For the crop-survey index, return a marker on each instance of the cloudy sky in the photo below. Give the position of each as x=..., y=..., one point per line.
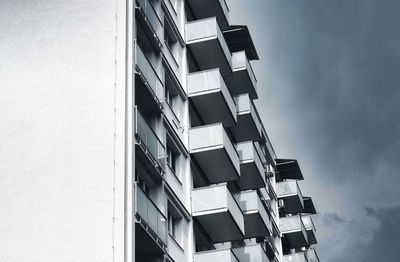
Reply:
x=329, y=75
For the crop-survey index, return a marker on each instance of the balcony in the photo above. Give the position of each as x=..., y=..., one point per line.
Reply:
x=295, y=234
x=209, y=145
x=310, y=228
x=290, y=192
x=149, y=148
x=249, y=125
x=251, y=253
x=153, y=25
x=210, y=8
x=207, y=44
x=211, y=98
x=296, y=257
x=217, y=255
x=288, y=169
x=149, y=87
x=153, y=229
x=256, y=220
x=218, y=213
x=243, y=79
x=251, y=169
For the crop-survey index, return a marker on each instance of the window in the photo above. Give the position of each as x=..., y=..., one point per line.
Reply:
x=171, y=158
x=175, y=224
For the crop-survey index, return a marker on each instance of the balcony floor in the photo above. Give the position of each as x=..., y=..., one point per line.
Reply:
x=213, y=108
x=250, y=177
x=255, y=226
x=223, y=172
x=209, y=55
x=220, y=226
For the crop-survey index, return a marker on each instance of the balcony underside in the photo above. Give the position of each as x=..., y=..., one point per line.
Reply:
x=149, y=163
x=250, y=177
x=146, y=244
x=213, y=108
x=146, y=100
x=255, y=226
x=294, y=239
x=222, y=172
x=209, y=54
x=246, y=129
x=209, y=8
x=240, y=83
x=312, y=240
x=293, y=204
x=220, y=226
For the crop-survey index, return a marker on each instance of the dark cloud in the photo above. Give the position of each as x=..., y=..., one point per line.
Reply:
x=329, y=82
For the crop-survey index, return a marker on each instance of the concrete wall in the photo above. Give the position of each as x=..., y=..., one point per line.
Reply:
x=57, y=144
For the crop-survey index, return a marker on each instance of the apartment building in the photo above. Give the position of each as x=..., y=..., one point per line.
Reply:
x=146, y=144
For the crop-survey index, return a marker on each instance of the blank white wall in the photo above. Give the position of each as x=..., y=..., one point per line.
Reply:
x=56, y=130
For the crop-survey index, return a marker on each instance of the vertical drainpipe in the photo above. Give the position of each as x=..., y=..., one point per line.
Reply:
x=129, y=158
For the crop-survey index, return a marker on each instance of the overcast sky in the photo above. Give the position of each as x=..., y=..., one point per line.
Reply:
x=329, y=75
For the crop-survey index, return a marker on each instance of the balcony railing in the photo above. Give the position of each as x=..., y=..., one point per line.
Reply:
x=146, y=69
x=296, y=257
x=148, y=212
x=149, y=139
x=251, y=253
x=218, y=255
x=151, y=16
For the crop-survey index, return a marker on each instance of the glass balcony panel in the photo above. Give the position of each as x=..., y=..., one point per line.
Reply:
x=206, y=137
x=251, y=253
x=297, y=257
x=147, y=211
x=219, y=255
x=291, y=223
x=201, y=29
x=149, y=73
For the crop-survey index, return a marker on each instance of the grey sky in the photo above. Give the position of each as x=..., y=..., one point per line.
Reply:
x=329, y=82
